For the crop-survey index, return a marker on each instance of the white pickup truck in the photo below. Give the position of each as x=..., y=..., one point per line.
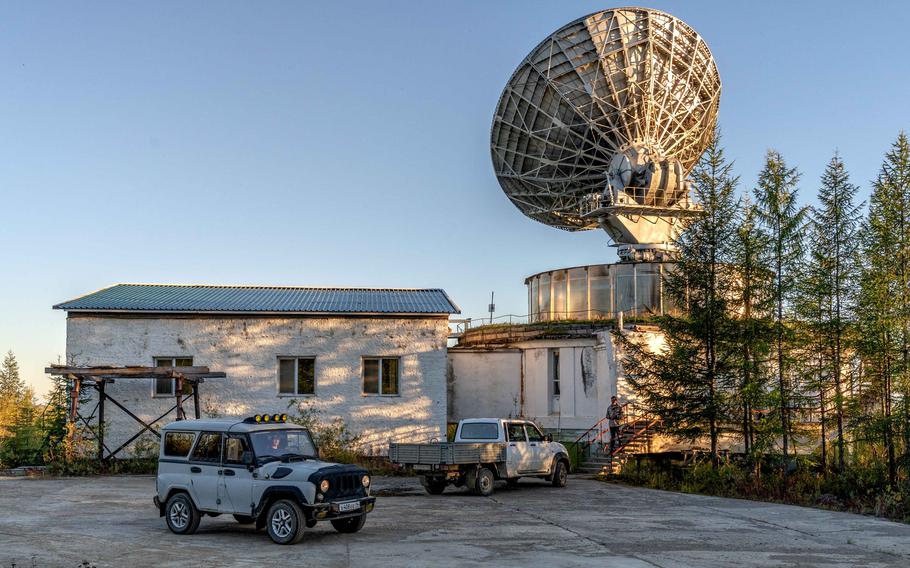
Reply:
x=484, y=450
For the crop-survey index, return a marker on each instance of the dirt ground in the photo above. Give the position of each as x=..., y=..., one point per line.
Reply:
x=111, y=522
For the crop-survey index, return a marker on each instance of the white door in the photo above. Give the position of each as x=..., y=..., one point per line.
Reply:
x=205, y=471
x=236, y=478
x=518, y=456
x=539, y=449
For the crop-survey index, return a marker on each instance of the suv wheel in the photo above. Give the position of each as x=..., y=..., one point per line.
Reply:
x=350, y=525
x=560, y=474
x=181, y=514
x=285, y=522
x=483, y=485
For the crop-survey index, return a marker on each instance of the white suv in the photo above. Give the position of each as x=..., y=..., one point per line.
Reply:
x=261, y=470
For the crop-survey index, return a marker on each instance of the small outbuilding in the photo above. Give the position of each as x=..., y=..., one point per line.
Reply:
x=375, y=358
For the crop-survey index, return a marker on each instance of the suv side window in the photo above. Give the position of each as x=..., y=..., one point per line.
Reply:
x=208, y=448
x=235, y=446
x=178, y=444
x=534, y=434
x=516, y=432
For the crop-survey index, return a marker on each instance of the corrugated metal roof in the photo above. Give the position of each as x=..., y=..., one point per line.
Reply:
x=204, y=298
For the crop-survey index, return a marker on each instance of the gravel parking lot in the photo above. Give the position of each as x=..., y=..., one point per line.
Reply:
x=110, y=521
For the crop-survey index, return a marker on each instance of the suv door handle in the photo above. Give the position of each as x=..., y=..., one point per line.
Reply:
x=534, y=444
x=229, y=472
x=195, y=469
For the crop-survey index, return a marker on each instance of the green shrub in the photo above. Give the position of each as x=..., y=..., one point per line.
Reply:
x=860, y=489
x=336, y=442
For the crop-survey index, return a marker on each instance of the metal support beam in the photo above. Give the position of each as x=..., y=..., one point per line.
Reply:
x=196, y=400
x=101, y=397
x=178, y=390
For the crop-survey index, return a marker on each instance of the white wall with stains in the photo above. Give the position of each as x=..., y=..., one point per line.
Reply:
x=247, y=349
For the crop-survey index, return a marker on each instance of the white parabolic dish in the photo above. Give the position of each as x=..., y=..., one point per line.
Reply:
x=602, y=122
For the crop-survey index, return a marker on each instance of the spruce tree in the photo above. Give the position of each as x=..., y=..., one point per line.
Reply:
x=782, y=221
x=750, y=302
x=836, y=224
x=885, y=293
x=11, y=384
x=687, y=384
x=12, y=389
x=813, y=306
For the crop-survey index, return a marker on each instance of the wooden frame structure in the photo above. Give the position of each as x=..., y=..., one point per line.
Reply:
x=99, y=377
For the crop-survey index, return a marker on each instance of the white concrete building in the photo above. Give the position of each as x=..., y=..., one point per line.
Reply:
x=561, y=376
x=375, y=358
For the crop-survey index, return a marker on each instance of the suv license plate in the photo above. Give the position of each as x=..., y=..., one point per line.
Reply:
x=350, y=506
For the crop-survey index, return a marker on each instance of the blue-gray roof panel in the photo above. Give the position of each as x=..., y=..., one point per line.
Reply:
x=180, y=298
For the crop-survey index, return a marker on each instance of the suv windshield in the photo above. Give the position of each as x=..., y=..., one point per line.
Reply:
x=282, y=445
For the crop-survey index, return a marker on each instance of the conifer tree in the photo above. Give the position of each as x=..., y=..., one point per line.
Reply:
x=885, y=293
x=12, y=390
x=835, y=247
x=782, y=221
x=11, y=384
x=750, y=302
x=688, y=384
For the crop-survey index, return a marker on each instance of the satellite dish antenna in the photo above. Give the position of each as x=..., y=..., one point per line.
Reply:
x=601, y=124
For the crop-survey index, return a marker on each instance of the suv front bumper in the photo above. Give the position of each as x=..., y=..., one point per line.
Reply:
x=333, y=509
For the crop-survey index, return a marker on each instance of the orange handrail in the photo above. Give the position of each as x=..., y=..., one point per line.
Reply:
x=599, y=422
x=585, y=433
x=635, y=435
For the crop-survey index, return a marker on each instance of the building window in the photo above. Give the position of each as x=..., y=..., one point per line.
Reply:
x=165, y=387
x=380, y=376
x=296, y=376
x=555, y=373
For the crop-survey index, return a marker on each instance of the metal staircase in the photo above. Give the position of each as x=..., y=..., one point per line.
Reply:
x=634, y=437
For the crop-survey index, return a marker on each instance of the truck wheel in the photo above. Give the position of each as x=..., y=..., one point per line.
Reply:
x=350, y=525
x=483, y=485
x=181, y=514
x=244, y=519
x=285, y=522
x=560, y=474
x=435, y=486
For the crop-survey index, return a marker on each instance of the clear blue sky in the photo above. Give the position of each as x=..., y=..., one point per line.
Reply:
x=335, y=143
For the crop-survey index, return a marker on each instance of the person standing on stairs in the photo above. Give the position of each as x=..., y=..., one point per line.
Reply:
x=614, y=415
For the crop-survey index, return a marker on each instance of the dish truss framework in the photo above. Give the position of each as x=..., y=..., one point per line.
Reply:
x=601, y=124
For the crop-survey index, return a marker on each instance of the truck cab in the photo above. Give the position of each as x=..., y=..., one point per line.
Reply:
x=263, y=471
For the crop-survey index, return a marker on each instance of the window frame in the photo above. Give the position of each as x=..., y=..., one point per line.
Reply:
x=296, y=359
x=202, y=434
x=532, y=427
x=240, y=436
x=173, y=359
x=186, y=456
x=379, y=382
x=478, y=438
x=520, y=425
x=555, y=385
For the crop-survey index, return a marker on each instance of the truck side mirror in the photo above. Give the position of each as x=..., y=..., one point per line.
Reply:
x=548, y=438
